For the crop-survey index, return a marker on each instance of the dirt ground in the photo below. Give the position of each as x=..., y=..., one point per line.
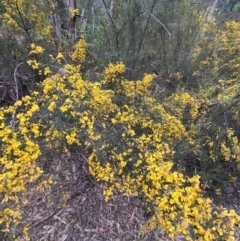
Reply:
x=74, y=209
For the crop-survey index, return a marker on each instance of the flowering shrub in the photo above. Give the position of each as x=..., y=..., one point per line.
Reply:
x=130, y=138
x=19, y=150
x=212, y=142
x=134, y=153
x=136, y=143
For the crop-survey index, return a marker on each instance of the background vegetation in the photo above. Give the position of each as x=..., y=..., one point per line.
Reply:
x=148, y=90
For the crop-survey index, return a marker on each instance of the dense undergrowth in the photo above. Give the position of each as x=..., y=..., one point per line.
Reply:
x=130, y=138
x=172, y=139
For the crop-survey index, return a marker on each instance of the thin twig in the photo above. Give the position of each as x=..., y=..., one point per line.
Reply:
x=160, y=23
x=93, y=20
x=15, y=79
x=225, y=120
x=23, y=23
x=13, y=121
x=226, y=109
x=114, y=27
x=57, y=211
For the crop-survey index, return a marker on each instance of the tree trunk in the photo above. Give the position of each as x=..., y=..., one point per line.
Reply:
x=63, y=21
x=211, y=10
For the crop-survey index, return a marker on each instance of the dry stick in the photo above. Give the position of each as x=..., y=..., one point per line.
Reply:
x=211, y=10
x=168, y=34
x=111, y=8
x=142, y=12
x=226, y=109
x=15, y=79
x=23, y=23
x=160, y=23
x=228, y=167
x=93, y=20
x=143, y=35
x=164, y=49
x=75, y=20
x=25, y=28
x=145, y=30
x=225, y=120
x=58, y=210
x=13, y=121
x=114, y=27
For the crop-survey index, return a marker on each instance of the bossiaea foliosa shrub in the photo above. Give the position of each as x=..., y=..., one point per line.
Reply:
x=130, y=139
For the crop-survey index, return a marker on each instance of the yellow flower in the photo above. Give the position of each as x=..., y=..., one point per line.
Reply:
x=52, y=106
x=36, y=49
x=80, y=51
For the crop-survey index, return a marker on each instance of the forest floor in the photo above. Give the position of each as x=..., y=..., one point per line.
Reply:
x=74, y=209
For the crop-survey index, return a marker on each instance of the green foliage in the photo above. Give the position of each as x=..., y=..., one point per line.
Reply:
x=173, y=146
x=2, y=8
x=215, y=131
x=131, y=140
x=26, y=24
x=146, y=36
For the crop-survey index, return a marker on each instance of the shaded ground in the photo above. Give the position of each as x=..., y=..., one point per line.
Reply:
x=75, y=209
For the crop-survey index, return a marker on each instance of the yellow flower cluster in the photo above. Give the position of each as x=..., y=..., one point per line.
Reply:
x=184, y=211
x=34, y=64
x=80, y=51
x=134, y=155
x=36, y=49
x=112, y=72
x=35, y=15
x=131, y=137
x=230, y=149
x=186, y=106
x=18, y=152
